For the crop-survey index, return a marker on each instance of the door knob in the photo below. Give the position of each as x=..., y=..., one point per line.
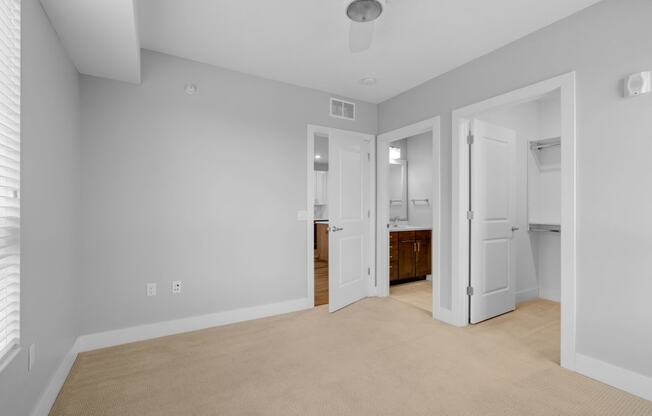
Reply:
x=335, y=229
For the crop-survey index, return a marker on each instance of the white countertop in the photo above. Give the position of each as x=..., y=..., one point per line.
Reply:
x=404, y=227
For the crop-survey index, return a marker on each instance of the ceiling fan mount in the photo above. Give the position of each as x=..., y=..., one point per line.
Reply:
x=363, y=14
x=363, y=11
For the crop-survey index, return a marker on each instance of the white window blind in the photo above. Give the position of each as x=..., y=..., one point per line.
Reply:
x=9, y=176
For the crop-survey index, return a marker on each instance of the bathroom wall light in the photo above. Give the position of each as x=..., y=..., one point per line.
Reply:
x=317, y=156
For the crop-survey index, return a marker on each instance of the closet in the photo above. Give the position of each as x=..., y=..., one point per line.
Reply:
x=536, y=237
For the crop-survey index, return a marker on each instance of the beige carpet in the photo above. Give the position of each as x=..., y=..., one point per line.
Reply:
x=376, y=357
x=417, y=294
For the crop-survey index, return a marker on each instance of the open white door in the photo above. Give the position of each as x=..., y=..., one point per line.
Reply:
x=493, y=206
x=348, y=240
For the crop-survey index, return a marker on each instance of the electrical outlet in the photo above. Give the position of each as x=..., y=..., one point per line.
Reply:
x=176, y=286
x=151, y=289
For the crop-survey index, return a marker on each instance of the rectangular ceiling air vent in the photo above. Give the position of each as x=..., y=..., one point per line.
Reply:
x=342, y=109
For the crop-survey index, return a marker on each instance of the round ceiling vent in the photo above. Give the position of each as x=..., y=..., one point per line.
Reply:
x=362, y=11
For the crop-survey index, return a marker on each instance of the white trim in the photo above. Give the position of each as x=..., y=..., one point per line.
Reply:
x=310, y=200
x=432, y=125
x=549, y=294
x=615, y=376
x=55, y=384
x=460, y=254
x=155, y=330
x=527, y=294
x=193, y=323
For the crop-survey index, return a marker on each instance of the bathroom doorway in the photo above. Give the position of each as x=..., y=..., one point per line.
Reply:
x=408, y=203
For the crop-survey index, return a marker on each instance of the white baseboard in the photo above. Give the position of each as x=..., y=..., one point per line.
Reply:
x=620, y=378
x=155, y=330
x=160, y=329
x=550, y=294
x=51, y=392
x=527, y=294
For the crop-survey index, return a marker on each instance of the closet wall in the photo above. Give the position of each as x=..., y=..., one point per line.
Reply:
x=545, y=200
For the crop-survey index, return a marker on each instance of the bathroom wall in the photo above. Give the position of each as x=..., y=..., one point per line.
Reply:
x=395, y=192
x=420, y=178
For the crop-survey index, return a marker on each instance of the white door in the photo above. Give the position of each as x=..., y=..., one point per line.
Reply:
x=348, y=237
x=493, y=204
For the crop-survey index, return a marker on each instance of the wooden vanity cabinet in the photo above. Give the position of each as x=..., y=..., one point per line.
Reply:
x=409, y=255
x=393, y=257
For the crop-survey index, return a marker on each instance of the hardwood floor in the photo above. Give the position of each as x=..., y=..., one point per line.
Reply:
x=321, y=282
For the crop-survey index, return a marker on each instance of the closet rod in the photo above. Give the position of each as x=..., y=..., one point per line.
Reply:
x=544, y=146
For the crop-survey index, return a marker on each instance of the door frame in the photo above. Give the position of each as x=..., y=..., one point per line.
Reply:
x=460, y=191
x=310, y=211
x=382, y=180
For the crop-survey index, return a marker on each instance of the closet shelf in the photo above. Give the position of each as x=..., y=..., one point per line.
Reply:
x=551, y=228
x=546, y=160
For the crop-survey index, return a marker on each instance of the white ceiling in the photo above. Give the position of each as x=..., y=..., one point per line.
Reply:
x=101, y=36
x=303, y=42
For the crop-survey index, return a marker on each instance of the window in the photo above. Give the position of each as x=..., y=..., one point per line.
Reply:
x=9, y=178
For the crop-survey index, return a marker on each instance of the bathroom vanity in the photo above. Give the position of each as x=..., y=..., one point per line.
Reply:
x=410, y=254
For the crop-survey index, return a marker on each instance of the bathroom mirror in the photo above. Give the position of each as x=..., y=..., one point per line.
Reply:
x=398, y=203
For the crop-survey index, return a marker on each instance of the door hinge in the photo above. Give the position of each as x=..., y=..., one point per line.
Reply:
x=368, y=213
x=469, y=138
x=368, y=156
x=469, y=290
x=369, y=271
x=469, y=215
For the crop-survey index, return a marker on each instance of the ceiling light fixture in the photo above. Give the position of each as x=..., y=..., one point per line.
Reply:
x=363, y=11
x=368, y=81
x=191, y=89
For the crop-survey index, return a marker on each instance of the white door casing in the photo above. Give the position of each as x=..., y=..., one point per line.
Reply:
x=348, y=196
x=493, y=206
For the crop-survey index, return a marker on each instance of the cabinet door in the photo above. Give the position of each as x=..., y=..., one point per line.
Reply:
x=393, y=256
x=322, y=241
x=422, y=262
x=406, y=259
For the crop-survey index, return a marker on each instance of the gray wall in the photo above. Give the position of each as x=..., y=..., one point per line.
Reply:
x=50, y=169
x=202, y=188
x=603, y=44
